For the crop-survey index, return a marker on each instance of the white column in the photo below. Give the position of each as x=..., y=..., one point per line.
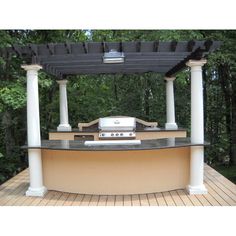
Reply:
x=196, y=185
x=36, y=187
x=170, y=104
x=64, y=124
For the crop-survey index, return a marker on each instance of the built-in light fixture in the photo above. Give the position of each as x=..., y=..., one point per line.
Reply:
x=113, y=57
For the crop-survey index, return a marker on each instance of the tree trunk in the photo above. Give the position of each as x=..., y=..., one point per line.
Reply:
x=233, y=127
x=205, y=98
x=115, y=89
x=8, y=133
x=224, y=78
x=146, y=98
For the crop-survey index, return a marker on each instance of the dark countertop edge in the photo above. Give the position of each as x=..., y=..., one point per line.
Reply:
x=137, y=131
x=128, y=148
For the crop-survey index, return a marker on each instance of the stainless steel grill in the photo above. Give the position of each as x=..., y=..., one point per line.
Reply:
x=117, y=127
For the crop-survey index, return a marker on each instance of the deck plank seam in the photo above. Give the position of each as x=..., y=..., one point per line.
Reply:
x=221, y=183
x=164, y=199
x=222, y=189
x=220, y=178
x=180, y=198
x=216, y=194
x=214, y=187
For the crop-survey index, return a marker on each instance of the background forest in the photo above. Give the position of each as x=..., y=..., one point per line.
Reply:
x=142, y=96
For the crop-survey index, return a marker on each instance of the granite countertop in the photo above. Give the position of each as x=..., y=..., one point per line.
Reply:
x=71, y=145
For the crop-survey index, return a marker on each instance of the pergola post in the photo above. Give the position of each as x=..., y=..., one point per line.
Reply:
x=36, y=187
x=170, y=104
x=64, y=124
x=196, y=185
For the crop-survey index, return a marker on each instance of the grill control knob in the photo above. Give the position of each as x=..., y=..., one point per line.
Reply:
x=117, y=134
x=103, y=134
x=130, y=134
x=112, y=134
x=121, y=134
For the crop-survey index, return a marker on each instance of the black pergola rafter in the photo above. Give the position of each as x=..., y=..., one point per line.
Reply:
x=62, y=59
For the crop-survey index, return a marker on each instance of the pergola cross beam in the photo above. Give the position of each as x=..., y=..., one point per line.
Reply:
x=148, y=56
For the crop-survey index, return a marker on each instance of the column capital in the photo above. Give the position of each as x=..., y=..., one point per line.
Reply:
x=170, y=78
x=192, y=63
x=34, y=67
x=62, y=82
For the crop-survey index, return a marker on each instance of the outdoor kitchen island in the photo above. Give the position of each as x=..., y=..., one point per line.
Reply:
x=152, y=166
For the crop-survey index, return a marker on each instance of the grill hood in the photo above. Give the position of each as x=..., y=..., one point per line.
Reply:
x=117, y=123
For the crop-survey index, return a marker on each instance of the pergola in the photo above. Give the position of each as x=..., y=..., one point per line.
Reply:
x=64, y=59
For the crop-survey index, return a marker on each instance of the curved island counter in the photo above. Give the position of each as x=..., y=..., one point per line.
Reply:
x=153, y=166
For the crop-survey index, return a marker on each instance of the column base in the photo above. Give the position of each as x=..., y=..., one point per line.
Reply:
x=171, y=126
x=36, y=192
x=64, y=127
x=200, y=189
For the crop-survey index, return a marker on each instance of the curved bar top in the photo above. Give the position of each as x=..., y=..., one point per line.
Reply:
x=72, y=145
x=155, y=165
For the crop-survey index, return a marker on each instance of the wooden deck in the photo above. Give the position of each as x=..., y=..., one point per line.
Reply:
x=221, y=192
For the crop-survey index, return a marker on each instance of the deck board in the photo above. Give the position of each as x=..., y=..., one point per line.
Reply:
x=47, y=198
x=135, y=200
x=127, y=200
x=221, y=192
x=160, y=199
x=211, y=199
x=176, y=198
x=152, y=199
x=195, y=200
x=94, y=200
x=86, y=200
x=102, y=200
x=24, y=201
x=184, y=197
x=71, y=198
x=220, y=178
x=10, y=188
x=144, y=200
x=62, y=199
x=111, y=200
x=78, y=201
x=168, y=199
x=10, y=200
x=227, y=191
x=17, y=191
x=54, y=199
x=119, y=200
x=218, y=198
x=203, y=200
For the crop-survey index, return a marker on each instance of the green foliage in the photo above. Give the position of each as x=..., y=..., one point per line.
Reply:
x=44, y=81
x=12, y=97
x=145, y=35
x=10, y=167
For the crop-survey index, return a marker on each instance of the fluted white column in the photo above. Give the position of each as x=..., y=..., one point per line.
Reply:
x=196, y=185
x=64, y=123
x=170, y=104
x=36, y=187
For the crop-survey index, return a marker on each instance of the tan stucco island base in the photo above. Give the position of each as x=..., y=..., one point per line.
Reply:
x=116, y=172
